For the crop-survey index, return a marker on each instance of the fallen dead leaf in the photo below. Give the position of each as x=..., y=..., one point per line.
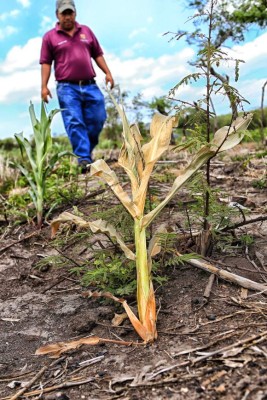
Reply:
x=118, y=319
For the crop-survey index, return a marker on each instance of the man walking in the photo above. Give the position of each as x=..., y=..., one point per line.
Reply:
x=72, y=47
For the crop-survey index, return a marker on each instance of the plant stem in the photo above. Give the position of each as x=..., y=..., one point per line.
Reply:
x=142, y=269
x=208, y=86
x=39, y=205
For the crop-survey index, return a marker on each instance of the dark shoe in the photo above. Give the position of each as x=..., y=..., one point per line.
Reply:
x=85, y=166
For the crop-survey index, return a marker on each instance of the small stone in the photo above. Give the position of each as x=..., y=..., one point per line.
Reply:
x=85, y=328
x=211, y=317
x=102, y=373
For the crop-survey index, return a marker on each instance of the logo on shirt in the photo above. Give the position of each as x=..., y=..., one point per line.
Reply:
x=63, y=41
x=82, y=36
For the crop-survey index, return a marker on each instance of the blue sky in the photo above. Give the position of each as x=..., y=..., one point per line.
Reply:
x=131, y=33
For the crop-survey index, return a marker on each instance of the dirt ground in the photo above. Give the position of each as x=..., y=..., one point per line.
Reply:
x=206, y=349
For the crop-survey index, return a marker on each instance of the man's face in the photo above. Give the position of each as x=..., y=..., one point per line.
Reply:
x=66, y=20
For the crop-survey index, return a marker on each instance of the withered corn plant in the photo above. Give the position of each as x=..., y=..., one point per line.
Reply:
x=41, y=157
x=138, y=161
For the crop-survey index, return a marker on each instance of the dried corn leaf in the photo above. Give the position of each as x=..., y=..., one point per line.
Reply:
x=133, y=164
x=142, y=331
x=57, y=349
x=104, y=227
x=233, y=364
x=100, y=169
x=67, y=217
x=203, y=155
x=95, y=226
x=129, y=158
x=140, y=328
x=118, y=319
x=151, y=315
x=228, y=137
x=160, y=131
x=154, y=246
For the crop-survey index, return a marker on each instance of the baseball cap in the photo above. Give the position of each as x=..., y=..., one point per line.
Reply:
x=62, y=5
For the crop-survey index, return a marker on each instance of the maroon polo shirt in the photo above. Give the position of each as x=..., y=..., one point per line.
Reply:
x=72, y=55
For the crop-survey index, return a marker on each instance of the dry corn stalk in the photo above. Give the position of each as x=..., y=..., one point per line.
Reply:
x=138, y=162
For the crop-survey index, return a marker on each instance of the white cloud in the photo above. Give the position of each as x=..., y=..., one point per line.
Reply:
x=150, y=76
x=251, y=90
x=47, y=23
x=11, y=14
x=136, y=32
x=153, y=76
x=129, y=53
x=20, y=77
x=7, y=31
x=24, y=3
x=20, y=72
x=20, y=86
x=21, y=57
x=254, y=53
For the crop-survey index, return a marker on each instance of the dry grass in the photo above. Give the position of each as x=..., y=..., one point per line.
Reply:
x=5, y=171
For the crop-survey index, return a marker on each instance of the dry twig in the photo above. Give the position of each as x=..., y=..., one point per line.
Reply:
x=33, y=380
x=64, y=385
x=30, y=235
x=228, y=276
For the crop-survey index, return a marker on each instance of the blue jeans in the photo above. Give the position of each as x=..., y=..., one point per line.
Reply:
x=84, y=114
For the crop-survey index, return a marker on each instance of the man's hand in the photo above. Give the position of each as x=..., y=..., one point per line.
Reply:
x=101, y=62
x=109, y=80
x=45, y=93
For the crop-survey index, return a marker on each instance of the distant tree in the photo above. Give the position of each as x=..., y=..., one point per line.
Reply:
x=161, y=104
x=141, y=108
x=8, y=144
x=113, y=127
x=251, y=12
x=231, y=20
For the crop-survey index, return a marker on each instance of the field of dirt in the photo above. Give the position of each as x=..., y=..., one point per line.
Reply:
x=208, y=347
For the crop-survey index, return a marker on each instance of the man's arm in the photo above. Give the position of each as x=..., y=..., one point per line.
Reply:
x=101, y=62
x=45, y=74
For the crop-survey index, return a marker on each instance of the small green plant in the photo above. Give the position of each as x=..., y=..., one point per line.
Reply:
x=41, y=159
x=260, y=183
x=51, y=261
x=246, y=240
x=111, y=272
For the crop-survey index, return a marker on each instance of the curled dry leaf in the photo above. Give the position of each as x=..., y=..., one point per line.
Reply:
x=67, y=217
x=95, y=226
x=143, y=330
x=224, y=139
x=101, y=169
x=55, y=350
x=118, y=319
x=229, y=136
x=154, y=247
x=160, y=130
x=104, y=227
